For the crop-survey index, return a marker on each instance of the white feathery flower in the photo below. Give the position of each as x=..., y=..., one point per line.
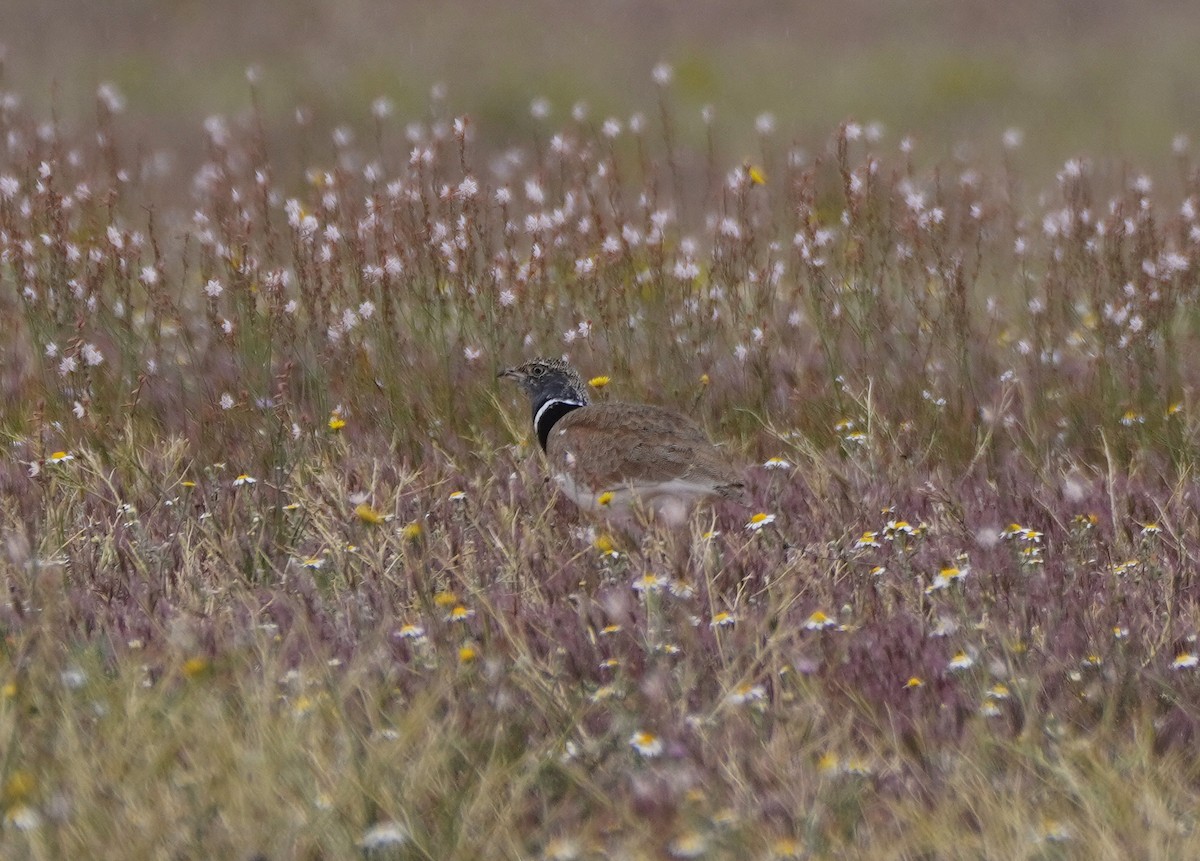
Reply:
x=534, y=193
x=92, y=355
x=382, y=108
x=108, y=93
x=468, y=188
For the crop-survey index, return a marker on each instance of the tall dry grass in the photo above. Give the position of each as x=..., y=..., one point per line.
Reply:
x=284, y=578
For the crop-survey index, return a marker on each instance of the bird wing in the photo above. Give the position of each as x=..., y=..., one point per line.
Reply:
x=606, y=446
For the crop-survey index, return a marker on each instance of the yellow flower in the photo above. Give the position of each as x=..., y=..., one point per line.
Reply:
x=818, y=621
x=746, y=693
x=368, y=514
x=757, y=177
x=1054, y=831
x=19, y=786
x=868, y=539
x=604, y=544
x=649, y=583
x=605, y=498
x=828, y=763
x=722, y=619
x=194, y=667
x=244, y=479
x=562, y=849
x=336, y=422
x=187, y=483
x=689, y=844
x=467, y=653
x=759, y=520
x=411, y=532
x=913, y=682
x=858, y=765
x=23, y=817
x=599, y=382
x=1185, y=661
x=646, y=743
x=704, y=379
x=961, y=661
x=445, y=598
x=60, y=457
x=786, y=847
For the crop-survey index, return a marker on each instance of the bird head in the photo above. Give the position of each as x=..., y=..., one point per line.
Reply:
x=548, y=379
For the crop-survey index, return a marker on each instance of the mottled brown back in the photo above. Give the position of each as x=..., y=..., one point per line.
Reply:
x=616, y=444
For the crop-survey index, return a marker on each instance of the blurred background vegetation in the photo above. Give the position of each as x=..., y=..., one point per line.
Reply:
x=1110, y=79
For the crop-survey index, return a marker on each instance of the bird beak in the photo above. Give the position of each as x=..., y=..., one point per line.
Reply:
x=509, y=374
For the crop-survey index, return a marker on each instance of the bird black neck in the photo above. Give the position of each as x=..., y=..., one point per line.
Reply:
x=547, y=415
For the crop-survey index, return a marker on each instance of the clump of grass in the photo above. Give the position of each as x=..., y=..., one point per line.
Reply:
x=283, y=576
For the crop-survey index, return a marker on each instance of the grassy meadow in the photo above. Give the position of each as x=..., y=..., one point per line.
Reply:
x=283, y=576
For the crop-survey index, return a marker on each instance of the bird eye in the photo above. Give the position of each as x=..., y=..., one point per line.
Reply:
x=538, y=370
